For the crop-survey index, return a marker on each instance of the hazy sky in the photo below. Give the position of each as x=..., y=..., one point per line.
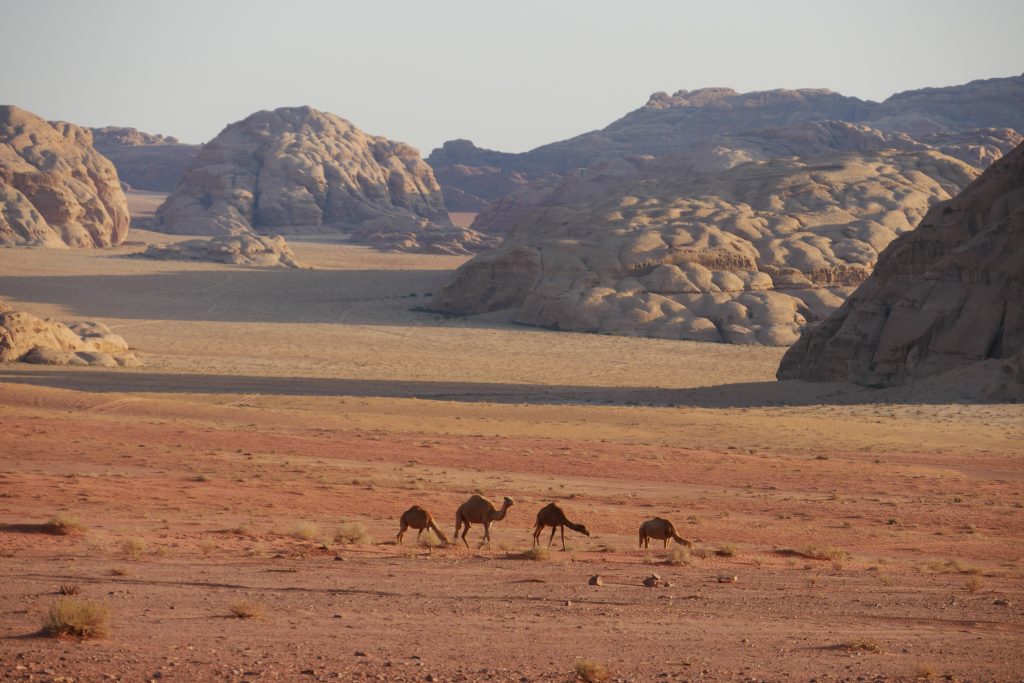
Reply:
x=507, y=75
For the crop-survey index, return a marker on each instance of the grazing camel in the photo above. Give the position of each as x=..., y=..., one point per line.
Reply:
x=553, y=516
x=479, y=510
x=659, y=528
x=418, y=518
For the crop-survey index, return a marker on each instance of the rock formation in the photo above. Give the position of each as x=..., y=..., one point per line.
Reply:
x=145, y=161
x=56, y=190
x=27, y=338
x=301, y=170
x=241, y=250
x=655, y=247
x=945, y=296
x=674, y=124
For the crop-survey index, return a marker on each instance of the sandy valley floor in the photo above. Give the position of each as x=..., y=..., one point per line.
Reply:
x=872, y=536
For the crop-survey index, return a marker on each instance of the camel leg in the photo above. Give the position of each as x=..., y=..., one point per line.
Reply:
x=401, y=530
x=487, y=535
x=563, y=538
x=418, y=534
x=665, y=543
x=465, y=530
x=552, y=536
x=536, y=534
x=641, y=540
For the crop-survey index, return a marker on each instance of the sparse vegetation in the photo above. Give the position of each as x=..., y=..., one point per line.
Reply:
x=75, y=618
x=305, y=531
x=119, y=571
x=925, y=670
x=679, y=555
x=974, y=584
x=133, y=547
x=591, y=671
x=825, y=553
x=246, y=609
x=863, y=645
x=69, y=589
x=65, y=524
x=537, y=552
x=207, y=546
x=353, y=533
x=727, y=551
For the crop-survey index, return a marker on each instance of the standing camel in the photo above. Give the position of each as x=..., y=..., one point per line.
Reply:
x=553, y=516
x=479, y=510
x=659, y=528
x=418, y=518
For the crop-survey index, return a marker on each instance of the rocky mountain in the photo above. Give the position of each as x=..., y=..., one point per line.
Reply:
x=945, y=296
x=670, y=125
x=301, y=170
x=56, y=190
x=747, y=253
x=145, y=161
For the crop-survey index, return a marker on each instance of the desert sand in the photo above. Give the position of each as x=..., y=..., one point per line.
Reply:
x=872, y=535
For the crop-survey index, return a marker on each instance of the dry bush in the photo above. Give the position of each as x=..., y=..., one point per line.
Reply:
x=430, y=539
x=973, y=584
x=537, y=552
x=65, y=524
x=925, y=670
x=119, y=571
x=76, y=618
x=353, y=533
x=679, y=555
x=727, y=551
x=133, y=547
x=825, y=553
x=207, y=546
x=246, y=609
x=69, y=589
x=591, y=671
x=863, y=645
x=305, y=531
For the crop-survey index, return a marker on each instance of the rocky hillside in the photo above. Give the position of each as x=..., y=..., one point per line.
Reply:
x=301, y=170
x=56, y=190
x=946, y=296
x=673, y=124
x=660, y=247
x=145, y=161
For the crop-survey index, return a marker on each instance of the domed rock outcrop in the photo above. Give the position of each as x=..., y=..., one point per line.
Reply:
x=56, y=190
x=653, y=247
x=240, y=250
x=30, y=339
x=945, y=296
x=143, y=160
x=300, y=170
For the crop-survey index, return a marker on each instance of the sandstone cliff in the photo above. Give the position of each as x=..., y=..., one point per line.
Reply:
x=300, y=170
x=656, y=247
x=145, y=161
x=56, y=190
x=947, y=295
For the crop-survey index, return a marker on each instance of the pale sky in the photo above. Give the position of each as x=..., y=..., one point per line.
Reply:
x=507, y=75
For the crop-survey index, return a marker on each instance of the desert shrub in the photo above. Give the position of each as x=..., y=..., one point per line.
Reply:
x=973, y=584
x=246, y=609
x=825, y=553
x=727, y=551
x=863, y=645
x=591, y=671
x=925, y=670
x=119, y=571
x=353, y=533
x=69, y=589
x=64, y=523
x=537, y=552
x=133, y=547
x=679, y=555
x=207, y=546
x=430, y=539
x=76, y=618
x=305, y=531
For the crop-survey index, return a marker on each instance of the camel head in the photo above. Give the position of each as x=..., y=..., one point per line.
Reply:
x=508, y=502
x=584, y=530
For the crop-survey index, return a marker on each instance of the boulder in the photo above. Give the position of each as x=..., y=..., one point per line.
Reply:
x=241, y=250
x=945, y=296
x=30, y=339
x=56, y=190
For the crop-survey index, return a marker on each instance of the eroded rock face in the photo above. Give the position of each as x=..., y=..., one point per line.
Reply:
x=56, y=190
x=30, y=339
x=942, y=297
x=242, y=250
x=300, y=170
x=656, y=247
x=145, y=161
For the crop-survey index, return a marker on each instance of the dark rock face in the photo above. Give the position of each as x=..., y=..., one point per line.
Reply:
x=944, y=296
x=56, y=190
x=144, y=161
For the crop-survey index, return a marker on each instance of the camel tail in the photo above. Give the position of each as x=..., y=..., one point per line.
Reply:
x=642, y=536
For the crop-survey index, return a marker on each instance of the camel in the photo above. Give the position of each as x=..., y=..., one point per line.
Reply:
x=553, y=516
x=418, y=518
x=479, y=510
x=659, y=528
